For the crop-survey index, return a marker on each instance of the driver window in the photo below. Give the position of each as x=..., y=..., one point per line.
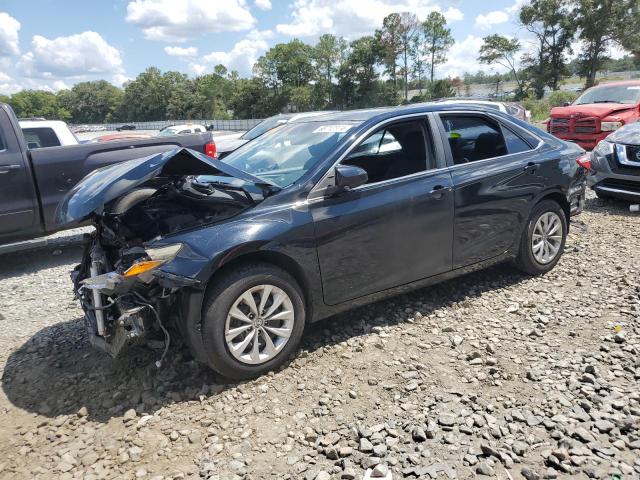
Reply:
x=392, y=152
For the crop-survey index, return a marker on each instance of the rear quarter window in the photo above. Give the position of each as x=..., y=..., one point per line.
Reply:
x=40, y=137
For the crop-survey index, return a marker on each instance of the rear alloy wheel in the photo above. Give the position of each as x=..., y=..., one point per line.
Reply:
x=547, y=238
x=253, y=320
x=543, y=240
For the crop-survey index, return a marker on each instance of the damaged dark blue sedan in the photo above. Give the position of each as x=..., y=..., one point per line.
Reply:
x=314, y=217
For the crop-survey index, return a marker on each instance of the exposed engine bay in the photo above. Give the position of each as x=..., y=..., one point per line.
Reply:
x=126, y=296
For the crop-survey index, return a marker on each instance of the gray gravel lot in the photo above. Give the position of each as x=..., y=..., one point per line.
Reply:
x=493, y=374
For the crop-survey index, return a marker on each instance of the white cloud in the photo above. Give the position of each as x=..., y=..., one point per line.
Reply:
x=243, y=54
x=263, y=4
x=76, y=55
x=181, y=52
x=198, y=68
x=179, y=20
x=119, y=79
x=463, y=57
x=353, y=18
x=488, y=20
x=9, y=28
x=452, y=14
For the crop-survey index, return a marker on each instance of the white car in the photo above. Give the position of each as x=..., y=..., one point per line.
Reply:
x=512, y=108
x=182, y=129
x=47, y=133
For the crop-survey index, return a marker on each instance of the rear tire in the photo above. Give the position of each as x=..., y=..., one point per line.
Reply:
x=541, y=246
x=603, y=196
x=225, y=305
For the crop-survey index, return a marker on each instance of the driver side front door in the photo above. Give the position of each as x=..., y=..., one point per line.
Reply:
x=392, y=231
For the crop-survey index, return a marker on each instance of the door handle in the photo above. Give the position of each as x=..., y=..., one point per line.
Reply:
x=438, y=191
x=531, y=167
x=8, y=168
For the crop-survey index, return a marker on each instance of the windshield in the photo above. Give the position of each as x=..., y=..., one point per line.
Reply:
x=284, y=154
x=614, y=94
x=264, y=126
x=168, y=132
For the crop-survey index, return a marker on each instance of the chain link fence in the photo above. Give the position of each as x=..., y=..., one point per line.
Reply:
x=234, y=125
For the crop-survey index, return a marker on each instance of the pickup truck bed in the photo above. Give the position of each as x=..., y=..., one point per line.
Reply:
x=32, y=182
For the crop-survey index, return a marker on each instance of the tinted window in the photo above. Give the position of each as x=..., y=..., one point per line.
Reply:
x=392, y=152
x=473, y=138
x=2, y=144
x=40, y=137
x=514, y=143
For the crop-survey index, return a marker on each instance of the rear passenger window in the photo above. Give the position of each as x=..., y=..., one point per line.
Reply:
x=392, y=152
x=473, y=138
x=40, y=137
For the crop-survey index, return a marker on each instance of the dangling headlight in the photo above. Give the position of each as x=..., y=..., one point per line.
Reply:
x=157, y=256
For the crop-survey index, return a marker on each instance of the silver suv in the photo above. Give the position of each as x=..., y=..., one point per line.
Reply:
x=615, y=165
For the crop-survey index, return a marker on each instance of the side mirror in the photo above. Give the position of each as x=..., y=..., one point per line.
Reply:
x=566, y=104
x=350, y=176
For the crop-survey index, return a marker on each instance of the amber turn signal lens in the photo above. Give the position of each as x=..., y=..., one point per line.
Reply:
x=141, y=267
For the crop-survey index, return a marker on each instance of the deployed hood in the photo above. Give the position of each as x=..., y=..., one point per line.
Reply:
x=600, y=110
x=628, y=135
x=108, y=183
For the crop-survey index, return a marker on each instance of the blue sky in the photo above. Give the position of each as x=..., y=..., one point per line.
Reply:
x=53, y=44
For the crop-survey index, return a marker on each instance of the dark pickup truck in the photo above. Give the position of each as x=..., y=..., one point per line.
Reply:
x=32, y=182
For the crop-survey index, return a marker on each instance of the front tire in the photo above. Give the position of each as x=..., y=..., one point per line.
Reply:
x=253, y=319
x=543, y=240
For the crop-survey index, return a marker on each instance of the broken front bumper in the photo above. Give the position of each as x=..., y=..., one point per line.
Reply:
x=123, y=309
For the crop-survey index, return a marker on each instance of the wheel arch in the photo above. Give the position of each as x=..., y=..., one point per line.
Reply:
x=560, y=199
x=274, y=258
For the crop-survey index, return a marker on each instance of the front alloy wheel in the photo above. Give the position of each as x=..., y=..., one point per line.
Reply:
x=253, y=319
x=259, y=324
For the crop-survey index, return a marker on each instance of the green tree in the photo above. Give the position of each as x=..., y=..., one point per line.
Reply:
x=91, y=102
x=551, y=22
x=500, y=50
x=357, y=76
x=389, y=39
x=329, y=54
x=253, y=99
x=437, y=41
x=408, y=31
x=38, y=103
x=601, y=23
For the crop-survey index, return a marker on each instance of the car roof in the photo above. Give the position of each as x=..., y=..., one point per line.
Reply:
x=624, y=83
x=380, y=113
x=186, y=125
x=41, y=123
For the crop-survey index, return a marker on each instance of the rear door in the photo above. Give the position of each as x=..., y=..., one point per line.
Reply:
x=18, y=201
x=495, y=171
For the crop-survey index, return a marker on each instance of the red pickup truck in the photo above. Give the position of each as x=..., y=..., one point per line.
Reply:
x=596, y=113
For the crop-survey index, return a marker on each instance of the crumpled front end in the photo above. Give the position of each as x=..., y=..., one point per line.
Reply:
x=127, y=282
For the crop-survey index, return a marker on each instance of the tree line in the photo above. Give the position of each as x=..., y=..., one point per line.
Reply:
x=398, y=63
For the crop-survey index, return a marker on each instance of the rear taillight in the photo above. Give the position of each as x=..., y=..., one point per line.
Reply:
x=210, y=149
x=584, y=160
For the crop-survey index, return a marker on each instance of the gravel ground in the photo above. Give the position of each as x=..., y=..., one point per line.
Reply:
x=492, y=374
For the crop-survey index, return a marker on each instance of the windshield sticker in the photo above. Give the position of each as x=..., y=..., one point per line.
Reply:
x=332, y=129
